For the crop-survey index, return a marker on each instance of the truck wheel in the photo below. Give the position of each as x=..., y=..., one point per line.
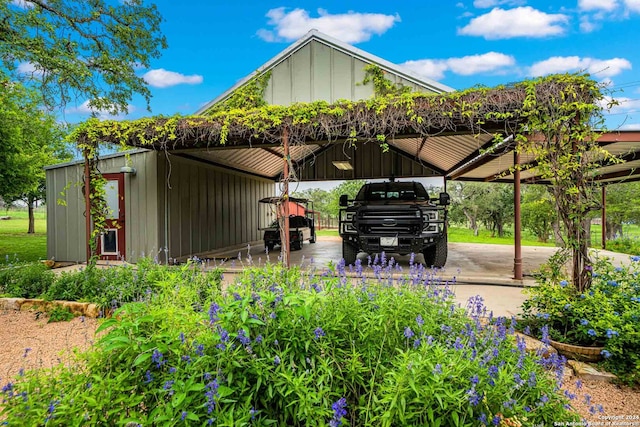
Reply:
x=296, y=245
x=436, y=256
x=269, y=246
x=349, y=253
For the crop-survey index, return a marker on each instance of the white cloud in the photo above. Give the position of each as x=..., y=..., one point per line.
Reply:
x=431, y=68
x=608, y=5
x=630, y=126
x=22, y=4
x=600, y=68
x=85, y=108
x=163, y=78
x=587, y=26
x=632, y=5
x=29, y=68
x=518, y=22
x=350, y=27
x=485, y=4
x=490, y=62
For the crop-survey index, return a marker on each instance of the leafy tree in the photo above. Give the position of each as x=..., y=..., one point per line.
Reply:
x=538, y=211
x=466, y=203
x=488, y=203
x=81, y=48
x=623, y=206
x=350, y=188
x=319, y=197
x=30, y=139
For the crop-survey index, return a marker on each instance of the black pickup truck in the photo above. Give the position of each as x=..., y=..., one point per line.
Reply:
x=395, y=217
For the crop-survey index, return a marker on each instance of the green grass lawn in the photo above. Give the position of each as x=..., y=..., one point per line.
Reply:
x=14, y=240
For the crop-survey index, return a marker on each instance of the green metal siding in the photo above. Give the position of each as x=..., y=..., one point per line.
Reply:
x=210, y=208
x=318, y=72
x=66, y=236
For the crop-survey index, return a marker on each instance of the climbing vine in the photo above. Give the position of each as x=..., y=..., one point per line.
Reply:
x=552, y=118
x=250, y=95
x=562, y=138
x=382, y=86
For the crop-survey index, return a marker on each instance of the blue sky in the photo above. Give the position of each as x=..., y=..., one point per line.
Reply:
x=461, y=44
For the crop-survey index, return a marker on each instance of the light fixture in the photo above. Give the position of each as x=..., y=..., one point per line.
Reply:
x=343, y=165
x=128, y=169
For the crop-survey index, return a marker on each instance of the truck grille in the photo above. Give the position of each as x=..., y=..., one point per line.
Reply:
x=386, y=220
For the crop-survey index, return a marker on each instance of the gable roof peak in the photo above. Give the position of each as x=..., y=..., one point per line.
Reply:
x=316, y=35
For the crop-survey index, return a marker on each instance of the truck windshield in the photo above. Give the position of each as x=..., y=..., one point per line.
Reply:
x=392, y=191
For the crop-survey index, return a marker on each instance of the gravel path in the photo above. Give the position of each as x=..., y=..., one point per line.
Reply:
x=27, y=343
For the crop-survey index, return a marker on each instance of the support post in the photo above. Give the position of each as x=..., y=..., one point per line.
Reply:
x=87, y=203
x=286, y=245
x=604, y=217
x=517, y=223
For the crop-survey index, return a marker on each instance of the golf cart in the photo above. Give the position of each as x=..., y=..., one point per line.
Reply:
x=301, y=223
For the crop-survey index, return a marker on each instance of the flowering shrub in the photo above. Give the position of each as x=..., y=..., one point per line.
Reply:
x=607, y=315
x=282, y=347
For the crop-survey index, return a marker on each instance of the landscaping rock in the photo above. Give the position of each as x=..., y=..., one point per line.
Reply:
x=35, y=305
x=92, y=310
x=535, y=346
x=588, y=372
x=76, y=308
x=11, y=303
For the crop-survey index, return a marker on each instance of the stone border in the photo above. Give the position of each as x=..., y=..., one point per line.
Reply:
x=27, y=304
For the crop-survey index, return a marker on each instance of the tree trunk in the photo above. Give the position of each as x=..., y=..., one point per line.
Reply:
x=32, y=222
x=557, y=235
x=473, y=224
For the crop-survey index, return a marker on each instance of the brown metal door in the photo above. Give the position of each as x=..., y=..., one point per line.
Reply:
x=111, y=245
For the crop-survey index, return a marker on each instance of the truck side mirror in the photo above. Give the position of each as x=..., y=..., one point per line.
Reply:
x=444, y=199
x=344, y=200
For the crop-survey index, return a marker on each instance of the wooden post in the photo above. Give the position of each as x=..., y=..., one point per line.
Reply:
x=604, y=216
x=517, y=224
x=286, y=249
x=87, y=203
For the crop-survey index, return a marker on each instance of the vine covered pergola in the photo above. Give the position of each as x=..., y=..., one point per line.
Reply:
x=551, y=119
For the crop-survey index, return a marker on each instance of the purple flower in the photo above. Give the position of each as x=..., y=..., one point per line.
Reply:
x=183, y=416
x=591, y=333
x=563, y=283
x=493, y=371
x=437, y=369
x=483, y=418
x=408, y=333
x=276, y=360
x=611, y=333
x=318, y=332
x=579, y=384
x=496, y=420
x=339, y=412
x=213, y=313
x=474, y=380
x=148, y=377
x=168, y=385
x=605, y=354
x=635, y=258
x=243, y=338
x=584, y=322
x=26, y=351
x=157, y=358
x=419, y=320
x=200, y=350
x=416, y=343
x=211, y=393
x=474, y=398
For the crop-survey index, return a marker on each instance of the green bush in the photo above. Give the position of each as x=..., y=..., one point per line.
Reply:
x=607, y=315
x=280, y=347
x=25, y=280
x=625, y=245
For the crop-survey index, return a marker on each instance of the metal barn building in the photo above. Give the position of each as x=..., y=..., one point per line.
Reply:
x=190, y=202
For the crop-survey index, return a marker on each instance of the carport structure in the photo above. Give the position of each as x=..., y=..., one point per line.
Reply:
x=465, y=136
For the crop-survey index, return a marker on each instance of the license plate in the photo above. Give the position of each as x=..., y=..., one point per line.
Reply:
x=389, y=241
